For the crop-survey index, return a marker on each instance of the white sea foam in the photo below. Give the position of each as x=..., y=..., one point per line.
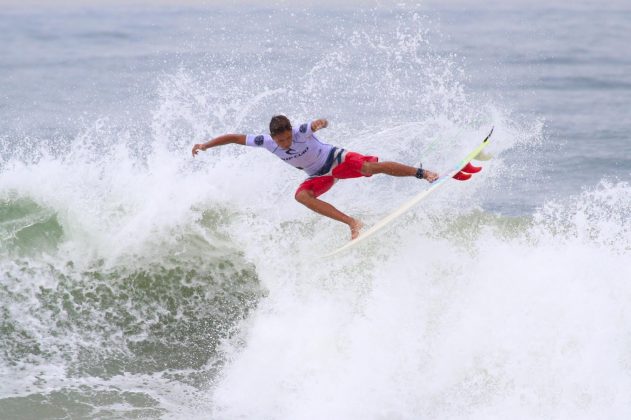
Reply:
x=533, y=325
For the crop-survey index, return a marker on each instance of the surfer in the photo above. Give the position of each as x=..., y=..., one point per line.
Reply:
x=324, y=163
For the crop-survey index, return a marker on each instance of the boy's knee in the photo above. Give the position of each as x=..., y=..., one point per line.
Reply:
x=304, y=196
x=369, y=168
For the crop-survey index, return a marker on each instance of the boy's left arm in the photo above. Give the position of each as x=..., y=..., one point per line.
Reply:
x=318, y=124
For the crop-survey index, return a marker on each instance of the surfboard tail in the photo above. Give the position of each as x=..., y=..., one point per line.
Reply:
x=465, y=173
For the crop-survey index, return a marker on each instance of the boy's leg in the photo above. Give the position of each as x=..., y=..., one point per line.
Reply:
x=394, y=169
x=307, y=197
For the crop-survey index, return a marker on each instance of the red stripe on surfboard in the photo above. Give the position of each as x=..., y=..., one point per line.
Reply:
x=461, y=176
x=470, y=169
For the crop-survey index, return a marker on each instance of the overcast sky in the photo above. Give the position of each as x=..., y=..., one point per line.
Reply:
x=336, y=4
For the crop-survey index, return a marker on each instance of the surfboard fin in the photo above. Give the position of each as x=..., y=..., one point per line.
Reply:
x=462, y=176
x=470, y=169
x=483, y=156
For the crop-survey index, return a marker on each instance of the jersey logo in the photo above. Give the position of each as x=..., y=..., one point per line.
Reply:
x=258, y=140
x=290, y=151
x=303, y=128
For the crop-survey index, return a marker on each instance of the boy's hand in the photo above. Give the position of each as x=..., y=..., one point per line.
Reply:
x=318, y=124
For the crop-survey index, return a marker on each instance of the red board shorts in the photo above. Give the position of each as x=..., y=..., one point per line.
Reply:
x=349, y=167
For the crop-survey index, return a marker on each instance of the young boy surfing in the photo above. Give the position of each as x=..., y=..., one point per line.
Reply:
x=324, y=164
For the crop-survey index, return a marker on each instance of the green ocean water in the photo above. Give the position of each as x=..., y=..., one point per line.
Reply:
x=159, y=317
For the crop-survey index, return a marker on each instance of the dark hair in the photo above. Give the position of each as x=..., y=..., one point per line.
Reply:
x=279, y=124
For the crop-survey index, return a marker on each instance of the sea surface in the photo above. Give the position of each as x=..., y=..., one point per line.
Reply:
x=139, y=282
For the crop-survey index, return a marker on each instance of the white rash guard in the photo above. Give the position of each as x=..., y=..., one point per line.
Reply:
x=306, y=151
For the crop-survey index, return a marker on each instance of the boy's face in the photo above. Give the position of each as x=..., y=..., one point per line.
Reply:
x=283, y=140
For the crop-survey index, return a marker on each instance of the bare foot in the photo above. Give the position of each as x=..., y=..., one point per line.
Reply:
x=356, y=226
x=430, y=176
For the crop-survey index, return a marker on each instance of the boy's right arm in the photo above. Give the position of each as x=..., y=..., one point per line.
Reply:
x=220, y=141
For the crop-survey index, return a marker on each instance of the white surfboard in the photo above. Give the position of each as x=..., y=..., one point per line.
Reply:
x=458, y=172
